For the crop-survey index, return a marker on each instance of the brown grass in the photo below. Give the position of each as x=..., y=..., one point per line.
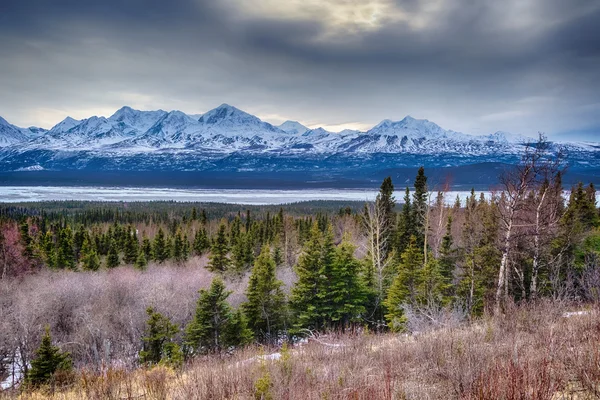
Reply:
x=532, y=353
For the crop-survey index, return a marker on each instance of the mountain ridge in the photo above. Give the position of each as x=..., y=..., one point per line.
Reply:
x=131, y=138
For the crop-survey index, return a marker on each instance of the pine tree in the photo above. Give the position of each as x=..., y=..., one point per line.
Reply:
x=65, y=257
x=112, y=258
x=158, y=344
x=265, y=307
x=218, y=254
x=211, y=328
x=88, y=255
x=48, y=361
x=160, y=250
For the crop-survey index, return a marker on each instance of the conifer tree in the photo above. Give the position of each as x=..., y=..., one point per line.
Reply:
x=112, y=258
x=305, y=299
x=346, y=292
x=201, y=242
x=404, y=289
x=447, y=259
x=387, y=202
x=26, y=240
x=214, y=321
x=147, y=247
x=88, y=256
x=160, y=250
x=49, y=250
x=158, y=343
x=218, y=254
x=433, y=288
x=65, y=257
x=406, y=226
x=265, y=307
x=238, y=254
x=141, y=261
x=131, y=246
x=47, y=362
x=179, y=252
x=419, y=207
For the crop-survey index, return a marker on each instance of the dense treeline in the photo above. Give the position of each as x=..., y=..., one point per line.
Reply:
x=382, y=267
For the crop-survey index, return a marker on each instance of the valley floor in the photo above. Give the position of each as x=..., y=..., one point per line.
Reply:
x=543, y=351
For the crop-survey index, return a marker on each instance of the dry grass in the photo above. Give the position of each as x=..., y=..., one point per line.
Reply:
x=535, y=353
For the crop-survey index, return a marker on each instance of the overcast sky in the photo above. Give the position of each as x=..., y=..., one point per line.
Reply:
x=521, y=66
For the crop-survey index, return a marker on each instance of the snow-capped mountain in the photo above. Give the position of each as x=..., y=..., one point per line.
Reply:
x=293, y=127
x=11, y=134
x=132, y=139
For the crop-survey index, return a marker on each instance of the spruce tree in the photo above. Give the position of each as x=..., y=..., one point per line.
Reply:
x=201, y=242
x=211, y=328
x=141, y=261
x=112, y=258
x=305, y=294
x=346, y=292
x=49, y=249
x=160, y=250
x=265, y=307
x=66, y=256
x=146, y=247
x=158, y=340
x=419, y=207
x=406, y=226
x=447, y=260
x=386, y=202
x=48, y=361
x=405, y=287
x=132, y=245
x=178, y=248
x=218, y=254
x=26, y=240
x=88, y=255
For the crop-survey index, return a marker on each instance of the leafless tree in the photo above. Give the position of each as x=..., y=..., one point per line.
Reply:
x=532, y=177
x=377, y=243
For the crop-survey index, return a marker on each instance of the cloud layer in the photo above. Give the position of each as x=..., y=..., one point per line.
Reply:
x=474, y=66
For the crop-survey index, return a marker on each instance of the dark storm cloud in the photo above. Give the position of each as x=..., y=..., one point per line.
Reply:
x=476, y=66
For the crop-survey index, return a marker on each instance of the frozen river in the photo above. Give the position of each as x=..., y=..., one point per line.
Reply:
x=9, y=194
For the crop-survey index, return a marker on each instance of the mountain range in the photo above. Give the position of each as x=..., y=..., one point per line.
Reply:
x=229, y=139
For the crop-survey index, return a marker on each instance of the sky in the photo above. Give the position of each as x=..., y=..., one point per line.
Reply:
x=522, y=66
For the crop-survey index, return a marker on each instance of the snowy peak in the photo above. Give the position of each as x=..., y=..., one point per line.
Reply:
x=228, y=119
x=293, y=127
x=226, y=113
x=10, y=134
x=409, y=127
x=137, y=120
x=65, y=125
